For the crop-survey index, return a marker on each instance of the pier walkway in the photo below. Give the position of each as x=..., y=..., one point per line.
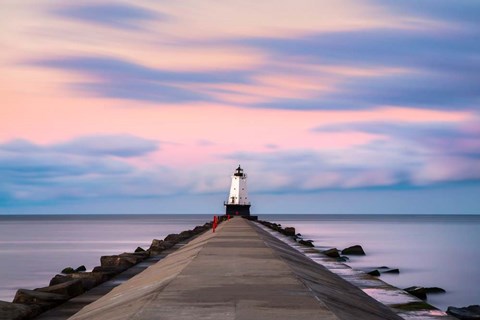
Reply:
x=238, y=272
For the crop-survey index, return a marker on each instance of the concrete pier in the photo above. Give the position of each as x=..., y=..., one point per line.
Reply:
x=238, y=272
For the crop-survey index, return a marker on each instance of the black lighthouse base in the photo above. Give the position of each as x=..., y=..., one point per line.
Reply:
x=237, y=210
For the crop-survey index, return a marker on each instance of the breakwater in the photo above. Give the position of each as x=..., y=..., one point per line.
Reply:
x=277, y=234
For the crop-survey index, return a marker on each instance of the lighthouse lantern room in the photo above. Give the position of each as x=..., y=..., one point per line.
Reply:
x=238, y=202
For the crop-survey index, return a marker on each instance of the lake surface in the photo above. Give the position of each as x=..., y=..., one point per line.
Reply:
x=441, y=251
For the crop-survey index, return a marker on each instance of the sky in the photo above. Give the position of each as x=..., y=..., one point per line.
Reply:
x=350, y=106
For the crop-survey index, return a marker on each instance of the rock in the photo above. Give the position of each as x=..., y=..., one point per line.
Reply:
x=396, y=271
x=421, y=292
x=44, y=300
x=91, y=279
x=173, y=237
x=81, y=268
x=158, y=246
x=68, y=270
x=434, y=290
x=308, y=243
x=109, y=270
x=289, y=231
x=117, y=261
x=17, y=311
x=139, y=249
x=418, y=292
x=342, y=259
x=60, y=278
x=71, y=288
x=138, y=256
x=354, y=250
x=187, y=234
x=332, y=253
x=374, y=273
x=466, y=313
x=199, y=229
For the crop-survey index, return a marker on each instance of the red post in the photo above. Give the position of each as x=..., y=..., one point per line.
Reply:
x=215, y=222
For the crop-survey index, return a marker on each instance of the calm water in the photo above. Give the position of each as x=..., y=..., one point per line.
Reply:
x=438, y=251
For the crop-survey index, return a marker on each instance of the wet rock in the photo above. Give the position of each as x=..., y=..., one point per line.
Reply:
x=373, y=272
x=466, y=313
x=289, y=231
x=44, y=300
x=70, y=288
x=421, y=292
x=388, y=270
x=308, y=243
x=81, y=268
x=68, y=270
x=354, y=250
x=434, y=290
x=139, y=249
x=418, y=292
x=342, y=259
x=332, y=253
x=17, y=311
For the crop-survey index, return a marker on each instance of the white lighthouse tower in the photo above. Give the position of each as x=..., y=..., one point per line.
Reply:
x=238, y=202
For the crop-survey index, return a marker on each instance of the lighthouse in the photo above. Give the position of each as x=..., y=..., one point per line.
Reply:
x=238, y=202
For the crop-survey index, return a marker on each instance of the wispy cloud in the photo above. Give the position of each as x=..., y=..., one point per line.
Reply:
x=115, y=15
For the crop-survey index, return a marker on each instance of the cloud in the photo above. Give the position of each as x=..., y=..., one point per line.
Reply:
x=116, y=78
x=114, y=145
x=111, y=15
x=438, y=70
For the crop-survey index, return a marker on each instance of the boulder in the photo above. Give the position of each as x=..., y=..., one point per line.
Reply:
x=187, y=234
x=388, y=270
x=354, y=250
x=308, y=243
x=434, y=290
x=44, y=300
x=139, y=249
x=289, y=231
x=68, y=270
x=173, y=238
x=466, y=313
x=421, y=292
x=342, y=259
x=332, y=253
x=158, y=246
x=81, y=268
x=373, y=272
x=117, y=261
x=109, y=270
x=138, y=256
x=17, y=311
x=199, y=229
x=60, y=278
x=71, y=288
x=91, y=279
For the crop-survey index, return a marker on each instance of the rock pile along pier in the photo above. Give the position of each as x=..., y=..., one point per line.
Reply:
x=238, y=272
